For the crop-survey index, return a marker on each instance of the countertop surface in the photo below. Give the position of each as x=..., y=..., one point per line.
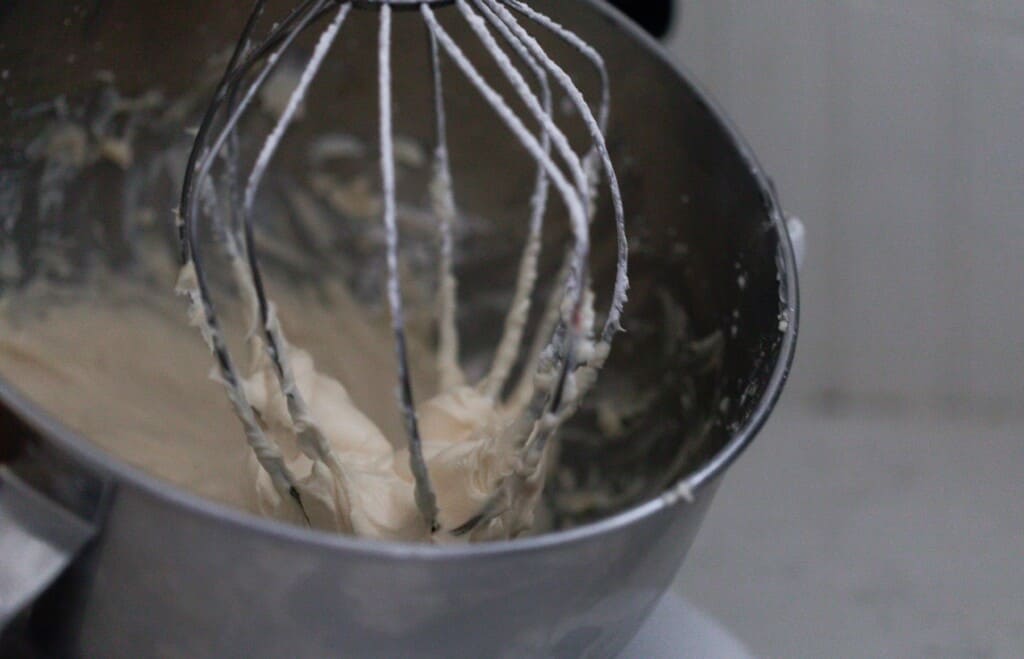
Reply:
x=854, y=534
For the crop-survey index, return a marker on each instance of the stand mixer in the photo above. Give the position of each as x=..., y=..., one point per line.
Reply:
x=129, y=564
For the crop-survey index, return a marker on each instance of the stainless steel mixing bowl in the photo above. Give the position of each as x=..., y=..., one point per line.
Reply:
x=143, y=569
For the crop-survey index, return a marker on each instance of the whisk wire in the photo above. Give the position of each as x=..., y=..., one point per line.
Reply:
x=522, y=301
x=443, y=202
x=426, y=499
x=194, y=282
x=574, y=199
x=570, y=195
x=311, y=439
x=613, y=323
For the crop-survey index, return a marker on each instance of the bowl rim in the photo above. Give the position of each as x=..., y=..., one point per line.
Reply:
x=695, y=483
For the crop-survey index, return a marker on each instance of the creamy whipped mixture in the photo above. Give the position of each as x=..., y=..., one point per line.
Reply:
x=115, y=362
x=313, y=443
x=122, y=368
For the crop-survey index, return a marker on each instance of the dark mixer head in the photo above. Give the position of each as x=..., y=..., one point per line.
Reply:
x=655, y=16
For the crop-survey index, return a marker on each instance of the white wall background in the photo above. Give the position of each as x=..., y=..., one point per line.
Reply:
x=895, y=129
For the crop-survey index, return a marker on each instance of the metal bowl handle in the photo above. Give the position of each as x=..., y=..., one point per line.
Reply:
x=38, y=540
x=798, y=236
